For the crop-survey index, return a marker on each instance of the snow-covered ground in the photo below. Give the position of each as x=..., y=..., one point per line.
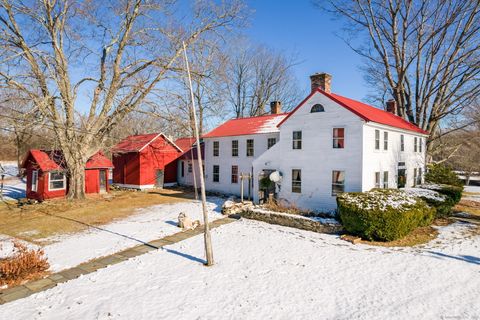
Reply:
x=266, y=271
x=148, y=224
x=13, y=187
x=472, y=189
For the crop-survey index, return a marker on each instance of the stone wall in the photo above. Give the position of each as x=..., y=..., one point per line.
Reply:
x=293, y=221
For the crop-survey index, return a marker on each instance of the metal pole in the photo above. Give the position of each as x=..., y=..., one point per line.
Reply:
x=207, y=237
x=241, y=187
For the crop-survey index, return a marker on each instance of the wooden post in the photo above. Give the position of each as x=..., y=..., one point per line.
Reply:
x=207, y=236
x=241, y=187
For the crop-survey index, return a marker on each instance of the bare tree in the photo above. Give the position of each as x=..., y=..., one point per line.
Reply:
x=257, y=75
x=102, y=58
x=424, y=54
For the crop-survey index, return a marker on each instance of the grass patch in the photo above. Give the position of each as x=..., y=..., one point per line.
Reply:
x=34, y=223
x=468, y=206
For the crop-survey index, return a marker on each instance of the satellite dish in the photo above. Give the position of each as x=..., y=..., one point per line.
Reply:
x=276, y=176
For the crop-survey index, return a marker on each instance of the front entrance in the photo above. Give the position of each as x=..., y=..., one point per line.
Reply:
x=159, y=179
x=401, y=178
x=103, y=181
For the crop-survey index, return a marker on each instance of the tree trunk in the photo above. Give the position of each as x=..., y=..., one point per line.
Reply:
x=76, y=180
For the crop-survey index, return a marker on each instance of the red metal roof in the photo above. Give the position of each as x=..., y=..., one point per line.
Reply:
x=185, y=143
x=137, y=143
x=98, y=160
x=365, y=111
x=49, y=160
x=245, y=126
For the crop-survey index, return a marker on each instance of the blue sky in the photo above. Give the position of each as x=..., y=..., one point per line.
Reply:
x=296, y=26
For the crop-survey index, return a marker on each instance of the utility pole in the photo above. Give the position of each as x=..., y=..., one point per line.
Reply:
x=207, y=237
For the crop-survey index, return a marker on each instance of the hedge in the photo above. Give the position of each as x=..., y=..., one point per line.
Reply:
x=453, y=193
x=383, y=215
x=441, y=174
x=442, y=203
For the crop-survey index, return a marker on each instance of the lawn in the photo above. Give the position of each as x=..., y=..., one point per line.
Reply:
x=37, y=222
x=267, y=271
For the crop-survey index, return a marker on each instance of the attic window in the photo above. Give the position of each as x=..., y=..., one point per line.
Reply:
x=317, y=108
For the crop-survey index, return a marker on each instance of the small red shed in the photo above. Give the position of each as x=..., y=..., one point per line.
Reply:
x=145, y=161
x=47, y=178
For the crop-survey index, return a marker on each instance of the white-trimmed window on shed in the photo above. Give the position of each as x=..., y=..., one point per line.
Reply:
x=296, y=181
x=338, y=182
x=377, y=139
x=34, y=180
x=377, y=179
x=271, y=142
x=216, y=148
x=297, y=140
x=57, y=180
x=189, y=166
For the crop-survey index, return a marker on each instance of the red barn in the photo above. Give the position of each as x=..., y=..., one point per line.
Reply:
x=145, y=161
x=47, y=178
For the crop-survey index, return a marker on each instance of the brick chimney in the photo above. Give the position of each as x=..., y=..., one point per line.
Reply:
x=275, y=107
x=392, y=106
x=321, y=80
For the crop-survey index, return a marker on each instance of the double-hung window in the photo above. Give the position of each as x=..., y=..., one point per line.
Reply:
x=234, y=148
x=250, y=148
x=338, y=182
x=271, y=142
x=377, y=139
x=338, y=138
x=385, y=179
x=385, y=140
x=56, y=180
x=189, y=167
x=216, y=173
x=377, y=179
x=234, y=174
x=402, y=142
x=34, y=180
x=420, y=143
x=297, y=140
x=415, y=144
x=182, y=168
x=216, y=148
x=297, y=181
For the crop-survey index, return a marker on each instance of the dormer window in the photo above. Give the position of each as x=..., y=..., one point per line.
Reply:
x=317, y=108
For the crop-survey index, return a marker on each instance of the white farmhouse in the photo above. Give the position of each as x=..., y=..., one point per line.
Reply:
x=326, y=145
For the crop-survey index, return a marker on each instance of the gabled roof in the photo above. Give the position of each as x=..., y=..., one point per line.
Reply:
x=50, y=160
x=185, y=143
x=364, y=111
x=247, y=126
x=98, y=160
x=137, y=143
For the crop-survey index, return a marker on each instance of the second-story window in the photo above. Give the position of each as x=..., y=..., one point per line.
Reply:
x=271, y=142
x=216, y=148
x=415, y=144
x=234, y=148
x=250, y=148
x=297, y=140
x=420, y=143
x=377, y=139
x=338, y=138
x=402, y=142
x=385, y=140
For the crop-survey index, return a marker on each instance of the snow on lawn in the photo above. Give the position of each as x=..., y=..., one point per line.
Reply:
x=14, y=188
x=10, y=168
x=146, y=225
x=266, y=271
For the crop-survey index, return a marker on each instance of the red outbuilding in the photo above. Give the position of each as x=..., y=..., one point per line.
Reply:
x=46, y=174
x=145, y=161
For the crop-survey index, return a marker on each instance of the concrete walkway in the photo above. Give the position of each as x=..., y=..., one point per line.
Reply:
x=31, y=287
